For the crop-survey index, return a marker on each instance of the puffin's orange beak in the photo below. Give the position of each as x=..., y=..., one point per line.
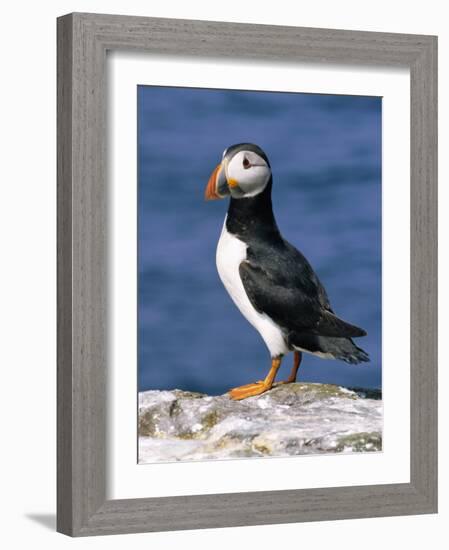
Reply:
x=211, y=192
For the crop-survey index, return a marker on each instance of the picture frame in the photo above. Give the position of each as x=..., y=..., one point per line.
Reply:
x=83, y=41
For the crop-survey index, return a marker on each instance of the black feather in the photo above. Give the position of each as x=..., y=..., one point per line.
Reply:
x=338, y=348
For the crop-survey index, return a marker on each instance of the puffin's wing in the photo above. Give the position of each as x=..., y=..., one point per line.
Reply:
x=295, y=305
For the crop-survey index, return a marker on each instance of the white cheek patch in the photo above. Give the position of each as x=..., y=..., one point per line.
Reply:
x=252, y=180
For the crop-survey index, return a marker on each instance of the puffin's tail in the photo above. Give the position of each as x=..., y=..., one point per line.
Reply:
x=329, y=347
x=345, y=350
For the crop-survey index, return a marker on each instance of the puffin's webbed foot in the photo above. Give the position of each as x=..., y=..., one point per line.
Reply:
x=257, y=388
x=249, y=390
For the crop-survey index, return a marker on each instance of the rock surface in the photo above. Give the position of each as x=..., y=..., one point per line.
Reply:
x=293, y=419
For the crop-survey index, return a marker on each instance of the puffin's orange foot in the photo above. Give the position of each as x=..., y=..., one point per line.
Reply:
x=249, y=390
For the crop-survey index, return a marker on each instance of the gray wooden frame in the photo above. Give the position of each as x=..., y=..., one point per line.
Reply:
x=83, y=40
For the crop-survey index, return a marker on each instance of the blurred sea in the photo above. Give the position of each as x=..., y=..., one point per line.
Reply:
x=325, y=153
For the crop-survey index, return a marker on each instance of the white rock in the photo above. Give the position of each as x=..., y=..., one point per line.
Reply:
x=292, y=419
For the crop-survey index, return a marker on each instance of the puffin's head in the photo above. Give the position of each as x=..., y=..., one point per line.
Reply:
x=244, y=172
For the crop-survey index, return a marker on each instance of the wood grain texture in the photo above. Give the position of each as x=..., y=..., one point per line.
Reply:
x=83, y=40
x=424, y=251
x=64, y=277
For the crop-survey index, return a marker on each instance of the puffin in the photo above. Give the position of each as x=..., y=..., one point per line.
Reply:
x=270, y=281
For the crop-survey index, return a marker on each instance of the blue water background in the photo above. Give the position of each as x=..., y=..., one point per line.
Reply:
x=325, y=153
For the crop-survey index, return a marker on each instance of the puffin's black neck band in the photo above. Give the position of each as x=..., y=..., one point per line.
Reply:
x=253, y=217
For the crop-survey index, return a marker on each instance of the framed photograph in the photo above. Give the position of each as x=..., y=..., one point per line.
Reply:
x=247, y=292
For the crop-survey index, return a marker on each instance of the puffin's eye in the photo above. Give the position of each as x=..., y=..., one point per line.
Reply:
x=246, y=163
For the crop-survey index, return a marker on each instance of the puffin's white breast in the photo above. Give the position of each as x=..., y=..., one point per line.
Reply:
x=230, y=253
